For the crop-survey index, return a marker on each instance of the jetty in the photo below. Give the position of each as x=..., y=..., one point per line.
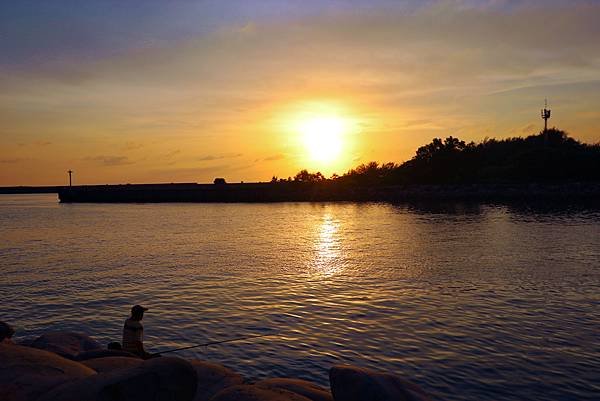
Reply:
x=325, y=191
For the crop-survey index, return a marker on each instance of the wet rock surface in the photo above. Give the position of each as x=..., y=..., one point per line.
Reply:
x=103, y=353
x=111, y=363
x=350, y=383
x=213, y=378
x=26, y=373
x=160, y=379
x=302, y=387
x=66, y=343
x=248, y=392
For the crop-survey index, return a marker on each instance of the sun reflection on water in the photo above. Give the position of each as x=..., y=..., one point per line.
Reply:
x=328, y=255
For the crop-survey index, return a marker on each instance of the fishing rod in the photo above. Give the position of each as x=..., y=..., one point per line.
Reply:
x=215, y=343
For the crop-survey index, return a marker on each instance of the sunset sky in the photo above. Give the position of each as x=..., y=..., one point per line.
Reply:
x=168, y=91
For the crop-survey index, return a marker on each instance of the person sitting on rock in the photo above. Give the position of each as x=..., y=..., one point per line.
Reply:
x=6, y=333
x=133, y=333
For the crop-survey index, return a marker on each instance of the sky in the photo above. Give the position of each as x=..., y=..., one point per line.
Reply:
x=186, y=91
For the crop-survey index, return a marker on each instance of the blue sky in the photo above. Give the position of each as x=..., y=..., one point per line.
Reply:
x=44, y=31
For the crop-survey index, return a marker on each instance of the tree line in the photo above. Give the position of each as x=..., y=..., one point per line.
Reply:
x=547, y=157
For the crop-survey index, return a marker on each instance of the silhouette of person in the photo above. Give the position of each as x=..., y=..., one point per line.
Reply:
x=6, y=333
x=133, y=332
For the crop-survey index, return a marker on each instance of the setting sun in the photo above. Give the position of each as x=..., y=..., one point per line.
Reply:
x=322, y=137
x=320, y=134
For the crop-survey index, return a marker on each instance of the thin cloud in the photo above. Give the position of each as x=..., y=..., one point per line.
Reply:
x=172, y=153
x=274, y=157
x=13, y=160
x=219, y=157
x=132, y=145
x=110, y=161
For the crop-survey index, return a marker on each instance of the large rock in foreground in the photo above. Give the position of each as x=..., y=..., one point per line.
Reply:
x=111, y=363
x=103, y=353
x=349, y=383
x=248, y=392
x=66, y=343
x=26, y=373
x=302, y=387
x=213, y=378
x=160, y=379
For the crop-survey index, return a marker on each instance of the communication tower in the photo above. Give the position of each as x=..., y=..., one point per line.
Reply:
x=545, y=115
x=70, y=181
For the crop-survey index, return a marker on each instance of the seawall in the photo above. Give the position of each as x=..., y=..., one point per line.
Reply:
x=325, y=192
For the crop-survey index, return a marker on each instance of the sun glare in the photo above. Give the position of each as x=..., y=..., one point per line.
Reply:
x=323, y=137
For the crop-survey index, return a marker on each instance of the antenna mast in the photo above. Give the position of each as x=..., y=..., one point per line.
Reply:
x=545, y=115
x=70, y=181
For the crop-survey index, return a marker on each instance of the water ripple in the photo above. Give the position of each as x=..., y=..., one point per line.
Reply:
x=472, y=302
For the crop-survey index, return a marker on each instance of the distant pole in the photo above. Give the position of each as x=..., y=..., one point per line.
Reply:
x=70, y=180
x=545, y=117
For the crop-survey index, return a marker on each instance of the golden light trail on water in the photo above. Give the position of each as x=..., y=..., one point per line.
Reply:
x=327, y=260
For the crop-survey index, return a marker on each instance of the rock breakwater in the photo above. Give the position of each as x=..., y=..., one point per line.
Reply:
x=67, y=366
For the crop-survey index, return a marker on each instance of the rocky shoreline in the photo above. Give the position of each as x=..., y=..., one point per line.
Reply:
x=68, y=366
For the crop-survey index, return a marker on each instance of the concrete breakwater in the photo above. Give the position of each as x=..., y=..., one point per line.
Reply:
x=67, y=366
x=326, y=191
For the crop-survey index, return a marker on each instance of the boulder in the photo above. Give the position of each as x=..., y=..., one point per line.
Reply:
x=213, y=378
x=248, y=392
x=302, y=387
x=103, y=353
x=26, y=342
x=159, y=379
x=66, y=343
x=111, y=363
x=26, y=373
x=350, y=383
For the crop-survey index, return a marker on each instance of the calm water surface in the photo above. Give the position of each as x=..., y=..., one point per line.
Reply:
x=472, y=302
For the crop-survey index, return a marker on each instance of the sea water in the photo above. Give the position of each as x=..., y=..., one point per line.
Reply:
x=470, y=301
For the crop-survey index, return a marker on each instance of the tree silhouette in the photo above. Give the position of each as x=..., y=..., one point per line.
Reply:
x=553, y=156
x=546, y=157
x=305, y=176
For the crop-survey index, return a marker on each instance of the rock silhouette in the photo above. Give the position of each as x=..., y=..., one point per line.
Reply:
x=350, y=383
x=66, y=343
x=111, y=363
x=26, y=373
x=302, y=387
x=32, y=374
x=245, y=392
x=160, y=379
x=212, y=378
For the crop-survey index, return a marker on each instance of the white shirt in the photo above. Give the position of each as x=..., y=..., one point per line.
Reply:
x=133, y=335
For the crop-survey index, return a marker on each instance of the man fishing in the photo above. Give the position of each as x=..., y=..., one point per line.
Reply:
x=133, y=333
x=133, y=336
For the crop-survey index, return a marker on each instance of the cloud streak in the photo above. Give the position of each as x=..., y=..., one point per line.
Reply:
x=219, y=157
x=110, y=161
